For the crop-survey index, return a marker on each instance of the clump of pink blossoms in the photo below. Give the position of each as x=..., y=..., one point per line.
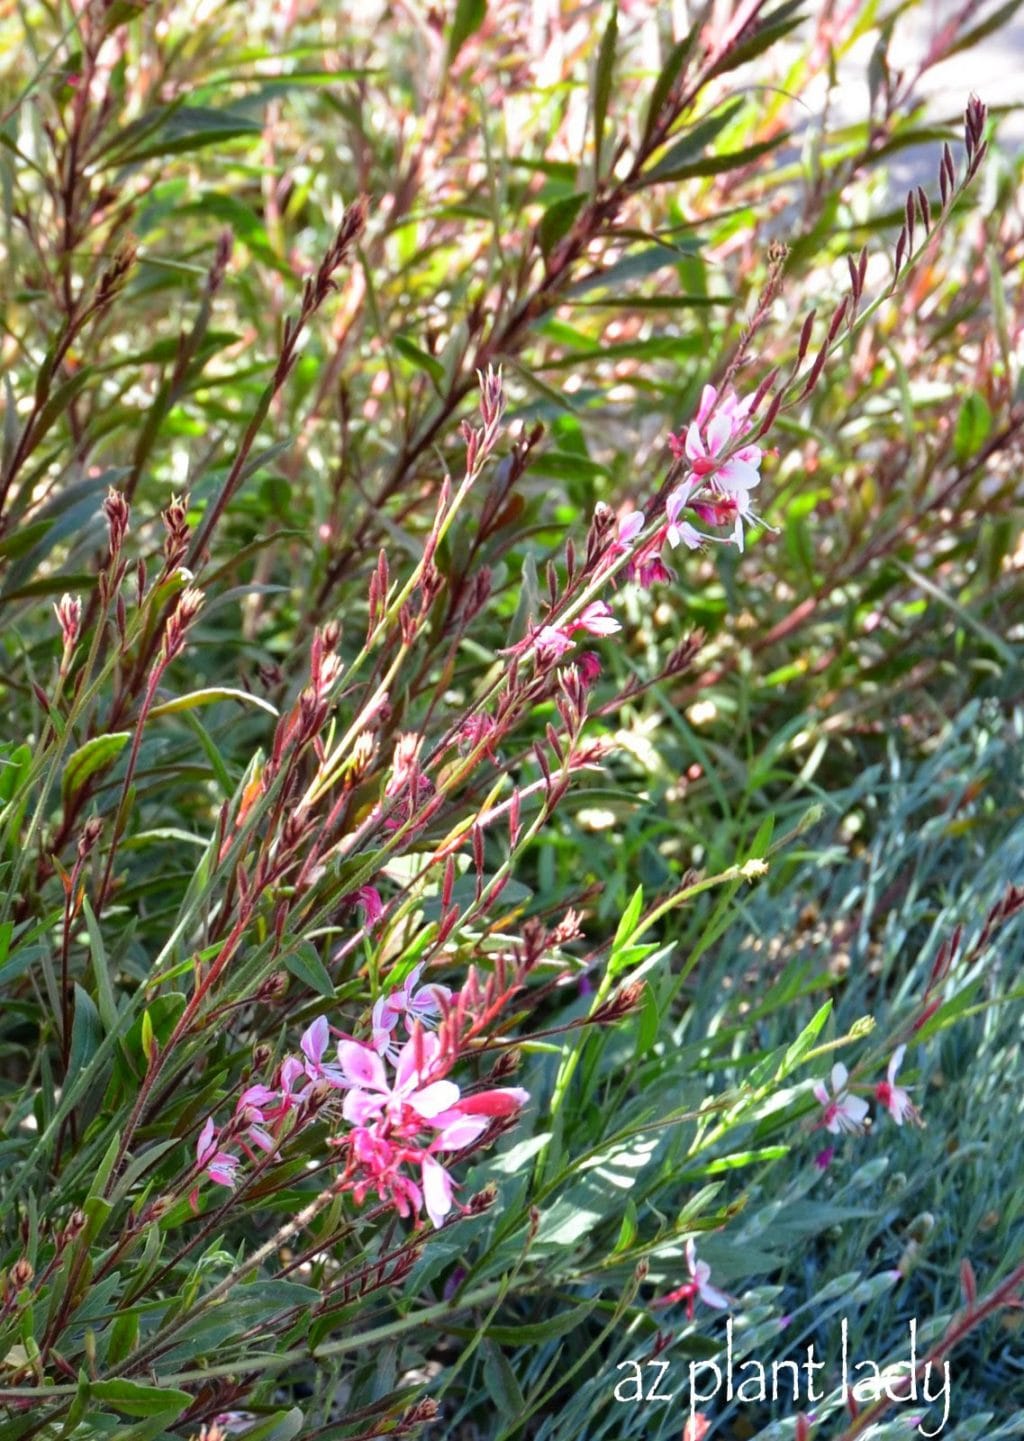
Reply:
x=552, y=641
x=390, y=1115
x=723, y=470
x=400, y=1124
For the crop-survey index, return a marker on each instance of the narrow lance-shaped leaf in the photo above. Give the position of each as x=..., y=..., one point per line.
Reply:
x=603, y=87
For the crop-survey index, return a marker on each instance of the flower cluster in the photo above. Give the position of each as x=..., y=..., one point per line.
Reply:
x=552, y=641
x=723, y=467
x=847, y=1114
x=399, y=1124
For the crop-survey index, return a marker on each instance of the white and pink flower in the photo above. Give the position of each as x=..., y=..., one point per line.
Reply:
x=697, y=1288
x=844, y=1113
x=411, y=1000
x=219, y=1165
x=896, y=1099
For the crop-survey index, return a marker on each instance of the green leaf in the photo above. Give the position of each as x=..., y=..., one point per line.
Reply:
x=628, y=920
x=603, y=86
x=535, y=1332
x=86, y=1032
x=23, y=538
x=210, y=695
x=628, y=1230
x=556, y=222
x=93, y=756
x=306, y=966
x=804, y=1042
x=281, y=1426
x=730, y=160
x=186, y=128
x=768, y=29
x=973, y=426
x=100, y=967
x=501, y=1383
x=420, y=358
x=693, y=143
x=663, y=86
x=650, y=1020
x=468, y=17
x=134, y=1399
x=988, y=26
x=124, y=1337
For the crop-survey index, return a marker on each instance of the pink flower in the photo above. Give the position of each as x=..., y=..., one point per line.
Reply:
x=220, y=1166
x=410, y=1100
x=589, y=667
x=551, y=643
x=369, y=901
x=843, y=1112
x=894, y=1098
x=479, y=729
x=257, y=1105
x=681, y=530
x=597, y=619
x=649, y=569
x=728, y=469
x=629, y=528
x=438, y=1189
x=825, y=1158
x=379, y=1162
x=697, y=1288
x=292, y=1070
x=416, y=1003
x=314, y=1042
x=460, y=1126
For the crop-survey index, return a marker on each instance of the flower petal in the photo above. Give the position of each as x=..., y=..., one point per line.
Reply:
x=314, y=1040
x=437, y=1190
x=359, y=1107
x=361, y=1066
x=458, y=1131
x=708, y=399
x=719, y=432
x=433, y=1099
x=736, y=475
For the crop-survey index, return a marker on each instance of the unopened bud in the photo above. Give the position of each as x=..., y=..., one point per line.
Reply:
x=273, y=988
x=74, y=1228
x=483, y=1200
x=116, y=509
x=91, y=832
x=21, y=1273
x=69, y=617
